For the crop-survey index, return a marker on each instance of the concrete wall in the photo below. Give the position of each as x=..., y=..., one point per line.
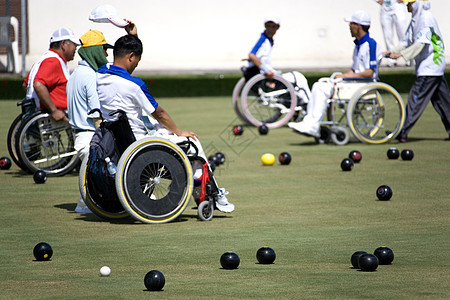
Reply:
x=216, y=35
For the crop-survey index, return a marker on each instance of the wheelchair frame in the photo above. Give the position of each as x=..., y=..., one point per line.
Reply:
x=37, y=142
x=272, y=97
x=154, y=182
x=369, y=112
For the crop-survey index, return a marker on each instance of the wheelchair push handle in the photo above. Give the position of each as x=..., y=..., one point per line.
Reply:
x=188, y=142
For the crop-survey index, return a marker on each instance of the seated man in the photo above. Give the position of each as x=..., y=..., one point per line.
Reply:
x=117, y=89
x=47, y=80
x=365, y=65
x=260, y=61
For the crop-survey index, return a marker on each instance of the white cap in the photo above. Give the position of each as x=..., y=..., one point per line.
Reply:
x=62, y=34
x=359, y=17
x=272, y=18
x=106, y=13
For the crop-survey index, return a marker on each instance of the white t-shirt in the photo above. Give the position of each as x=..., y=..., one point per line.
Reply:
x=117, y=89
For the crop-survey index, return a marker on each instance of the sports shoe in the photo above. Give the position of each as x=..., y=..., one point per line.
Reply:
x=300, y=128
x=222, y=203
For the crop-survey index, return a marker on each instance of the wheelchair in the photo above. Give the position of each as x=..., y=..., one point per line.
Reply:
x=258, y=100
x=373, y=111
x=153, y=183
x=37, y=142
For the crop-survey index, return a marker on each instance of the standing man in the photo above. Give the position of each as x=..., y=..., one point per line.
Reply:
x=47, y=80
x=365, y=65
x=392, y=16
x=82, y=94
x=423, y=42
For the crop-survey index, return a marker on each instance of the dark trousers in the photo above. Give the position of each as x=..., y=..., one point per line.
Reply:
x=427, y=88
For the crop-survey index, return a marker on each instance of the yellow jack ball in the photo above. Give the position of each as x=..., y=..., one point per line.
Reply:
x=268, y=159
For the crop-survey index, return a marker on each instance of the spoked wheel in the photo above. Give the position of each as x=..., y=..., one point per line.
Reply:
x=154, y=180
x=236, y=100
x=376, y=113
x=268, y=101
x=206, y=210
x=44, y=144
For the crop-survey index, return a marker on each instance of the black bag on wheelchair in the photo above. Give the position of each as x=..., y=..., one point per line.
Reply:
x=110, y=140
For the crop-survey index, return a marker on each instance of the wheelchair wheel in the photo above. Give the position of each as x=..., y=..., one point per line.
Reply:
x=154, y=180
x=376, y=113
x=206, y=210
x=11, y=141
x=236, y=99
x=339, y=135
x=109, y=210
x=44, y=144
x=269, y=102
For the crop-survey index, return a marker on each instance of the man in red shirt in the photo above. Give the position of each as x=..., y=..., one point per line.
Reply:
x=47, y=80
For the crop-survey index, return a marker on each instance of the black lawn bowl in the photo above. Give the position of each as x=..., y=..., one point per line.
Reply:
x=355, y=155
x=238, y=130
x=220, y=157
x=385, y=255
x=154, y=280
x=347, y=164
x=42, y=251
x=407, y=154
x=368, y=262
x=263, y=129
x=40, y=177
x=265, y=255
x=229, y=260
x=355, y=258
x=284, y=158
x=393, y=153
x=5, y=163
x=384, y=193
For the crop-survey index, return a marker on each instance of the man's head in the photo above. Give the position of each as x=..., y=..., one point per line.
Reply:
x=414, y=5
x=93, y=48
x=359, y=23
x=127, y=52
x=64, y=42
x=272, y=24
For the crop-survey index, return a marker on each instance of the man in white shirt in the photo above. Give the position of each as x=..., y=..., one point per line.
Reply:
x=365, y=65
x=117, y=89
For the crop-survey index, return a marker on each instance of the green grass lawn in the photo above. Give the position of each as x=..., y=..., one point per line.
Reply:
x=310, y=212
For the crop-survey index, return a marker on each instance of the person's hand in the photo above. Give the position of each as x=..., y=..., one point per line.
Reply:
x=382, y=1
x=131, y=28
x=187, y=133
x=395, y=55
x=269, y=75
x=58, y=115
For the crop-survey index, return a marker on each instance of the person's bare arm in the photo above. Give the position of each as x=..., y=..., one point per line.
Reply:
x=44, y=97
x=165, y=120
x=257, y=62
x=131, y=28
x=368, y=73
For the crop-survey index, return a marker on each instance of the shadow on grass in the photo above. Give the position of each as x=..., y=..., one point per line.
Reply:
x=70, y=207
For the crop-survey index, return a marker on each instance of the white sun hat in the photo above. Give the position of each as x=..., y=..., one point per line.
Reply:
x=106, y=13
